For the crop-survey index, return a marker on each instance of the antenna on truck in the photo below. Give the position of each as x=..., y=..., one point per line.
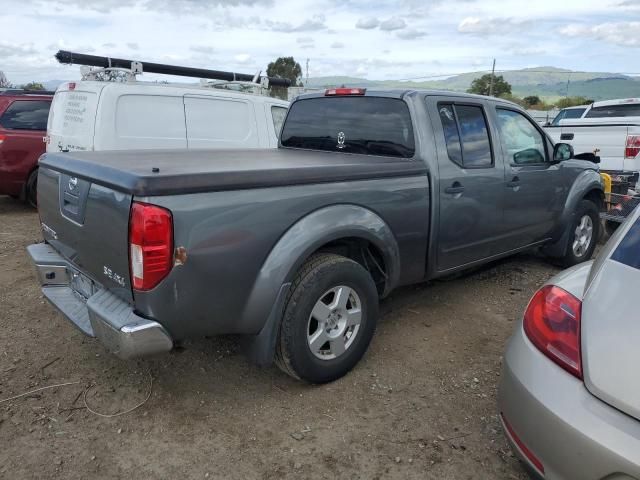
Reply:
x=133, y=68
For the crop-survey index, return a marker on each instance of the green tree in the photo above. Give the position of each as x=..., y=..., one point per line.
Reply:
x=33, y=86
x=284, y=67
x=482, y=85
x=573, y=102
x=531, y=100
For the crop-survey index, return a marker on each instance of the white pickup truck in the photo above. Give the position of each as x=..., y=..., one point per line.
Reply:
x=612, y=127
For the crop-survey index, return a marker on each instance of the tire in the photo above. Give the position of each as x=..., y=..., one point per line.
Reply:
x=610, y=227
x=31, y=189
x=584, y=234
x=342, y=286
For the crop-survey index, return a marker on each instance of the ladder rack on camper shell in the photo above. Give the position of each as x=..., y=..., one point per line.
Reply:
x=132, y=68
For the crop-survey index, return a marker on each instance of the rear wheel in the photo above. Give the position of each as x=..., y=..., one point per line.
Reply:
x=583, y=235
x=31, y=189
x=329, y=319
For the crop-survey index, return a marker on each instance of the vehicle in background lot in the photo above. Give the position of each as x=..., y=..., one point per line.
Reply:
x=613, y=128
x=569, y=113
x=23, y=124
x=293, y=247
x=97, y=115
x=94, y=114
x=569, y=395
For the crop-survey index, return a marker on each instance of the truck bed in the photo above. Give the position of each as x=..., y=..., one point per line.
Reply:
x=169, y=172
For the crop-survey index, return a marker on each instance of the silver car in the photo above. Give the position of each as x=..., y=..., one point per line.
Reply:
x=569, y=396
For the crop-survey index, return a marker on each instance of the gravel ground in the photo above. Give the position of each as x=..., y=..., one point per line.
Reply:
x=421, y=404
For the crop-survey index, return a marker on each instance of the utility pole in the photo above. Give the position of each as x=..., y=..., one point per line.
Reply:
x=568, y=81
x=307, y=82
x=493, y=75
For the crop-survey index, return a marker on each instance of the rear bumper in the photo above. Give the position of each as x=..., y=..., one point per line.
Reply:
x=102, y=315
x=572, y=433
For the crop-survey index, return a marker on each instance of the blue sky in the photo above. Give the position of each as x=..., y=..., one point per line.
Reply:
x=375, y=39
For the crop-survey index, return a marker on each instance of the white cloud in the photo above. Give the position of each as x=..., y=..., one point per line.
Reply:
x=317, y=22
x=9, y=49
x=394, y=23
x=243, y=58
x=411, y=34
x=204, y=49
x=368, y=23
x=491, y=25
x=133, y=45
x=626, y=34
x=337, y=45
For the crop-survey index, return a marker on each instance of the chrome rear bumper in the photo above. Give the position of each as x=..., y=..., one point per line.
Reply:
x=102, y=315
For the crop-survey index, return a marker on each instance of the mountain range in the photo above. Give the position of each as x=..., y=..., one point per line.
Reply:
x=549, y=83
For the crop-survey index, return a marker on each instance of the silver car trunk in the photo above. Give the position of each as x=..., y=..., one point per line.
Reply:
x=611, y=323
x=87, y=224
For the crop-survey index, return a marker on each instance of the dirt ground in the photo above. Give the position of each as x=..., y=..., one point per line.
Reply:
x=422, y=403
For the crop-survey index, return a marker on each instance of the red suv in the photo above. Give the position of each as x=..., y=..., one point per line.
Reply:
x=23, y=124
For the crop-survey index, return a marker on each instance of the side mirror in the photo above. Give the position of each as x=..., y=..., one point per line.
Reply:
x=562, y=151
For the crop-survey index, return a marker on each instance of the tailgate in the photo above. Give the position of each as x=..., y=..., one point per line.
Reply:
x=87, y=224
x=609, y=139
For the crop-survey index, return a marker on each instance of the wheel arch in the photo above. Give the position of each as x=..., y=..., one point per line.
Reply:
x=350, y=230
x=587, y=186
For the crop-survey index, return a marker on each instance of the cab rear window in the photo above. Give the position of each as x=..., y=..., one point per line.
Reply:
x=621, y=110
x=628, y=250
x=365, y=125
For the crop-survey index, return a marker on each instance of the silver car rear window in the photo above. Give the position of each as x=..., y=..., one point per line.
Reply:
x=628, y=250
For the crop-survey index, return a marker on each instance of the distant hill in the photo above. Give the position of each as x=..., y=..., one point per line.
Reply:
x=53, y=84
x=546, y=82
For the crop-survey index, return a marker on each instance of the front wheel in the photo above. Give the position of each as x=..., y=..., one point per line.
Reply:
x=583, y=235
x=329, y=319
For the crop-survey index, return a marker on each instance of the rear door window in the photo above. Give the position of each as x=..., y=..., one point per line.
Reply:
x=623, y=110
x=466, y=135
x=365, y=125
x=26, y=115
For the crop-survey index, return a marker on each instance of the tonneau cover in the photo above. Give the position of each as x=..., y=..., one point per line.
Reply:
x=167, y=172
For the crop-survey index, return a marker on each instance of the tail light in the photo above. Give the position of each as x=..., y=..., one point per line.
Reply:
x=344, y=91
x=632, y=148
x=150, y=245
x=2, y=137
x=552, y=323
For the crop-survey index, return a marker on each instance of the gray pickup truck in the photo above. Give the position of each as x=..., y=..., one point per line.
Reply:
x=292, y=248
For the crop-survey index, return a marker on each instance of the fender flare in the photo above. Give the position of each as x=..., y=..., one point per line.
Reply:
x=266, y=301
x=587, y=181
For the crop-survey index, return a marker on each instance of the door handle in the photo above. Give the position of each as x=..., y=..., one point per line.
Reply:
x=566, y=136
x=454, y=189
x=515, y=182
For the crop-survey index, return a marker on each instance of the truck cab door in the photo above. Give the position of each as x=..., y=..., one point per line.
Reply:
x=533, y=191
x=469, y=184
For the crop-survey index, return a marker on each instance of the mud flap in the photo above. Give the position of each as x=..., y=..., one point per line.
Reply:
x=559, y=248
x=260, y=349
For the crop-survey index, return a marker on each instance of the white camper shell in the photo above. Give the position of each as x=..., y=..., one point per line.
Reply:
x=99, y=115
